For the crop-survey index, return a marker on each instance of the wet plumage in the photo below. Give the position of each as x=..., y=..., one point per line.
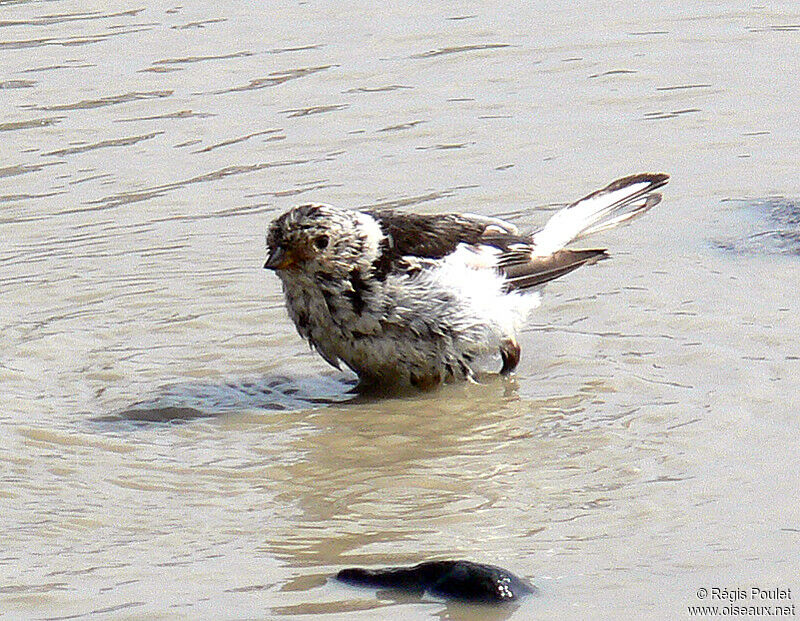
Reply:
x=409, y=299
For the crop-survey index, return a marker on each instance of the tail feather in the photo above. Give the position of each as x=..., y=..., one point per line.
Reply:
x=539, y=270
x=615, y=204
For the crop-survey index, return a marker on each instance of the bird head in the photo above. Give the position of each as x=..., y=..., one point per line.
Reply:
x=317, y=238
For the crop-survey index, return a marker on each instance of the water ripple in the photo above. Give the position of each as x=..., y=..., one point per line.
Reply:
x=111, y=100
x=275, y=78
x=274, y=134
x=50, y=20
x=296, y=112
x=125, y=198
x=115, y=142
x=32, y=123
x=460, y=48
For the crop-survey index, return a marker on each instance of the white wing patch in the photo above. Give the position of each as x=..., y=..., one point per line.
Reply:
x=494, y=225
x=597, y=212
x=475, y=256
x=374, y=233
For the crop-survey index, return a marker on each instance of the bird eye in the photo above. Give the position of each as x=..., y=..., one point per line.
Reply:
x=321, y=242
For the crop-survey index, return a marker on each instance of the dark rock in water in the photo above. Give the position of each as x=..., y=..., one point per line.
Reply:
x=461, y=580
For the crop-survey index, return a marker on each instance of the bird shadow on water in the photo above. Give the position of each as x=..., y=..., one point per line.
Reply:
x=186, y=401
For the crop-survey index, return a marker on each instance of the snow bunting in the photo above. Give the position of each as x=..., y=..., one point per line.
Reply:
x=410, y=299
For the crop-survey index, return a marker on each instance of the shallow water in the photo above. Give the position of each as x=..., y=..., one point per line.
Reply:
x=169, y=447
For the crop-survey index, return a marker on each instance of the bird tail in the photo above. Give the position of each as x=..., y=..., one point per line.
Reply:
x=618, y=202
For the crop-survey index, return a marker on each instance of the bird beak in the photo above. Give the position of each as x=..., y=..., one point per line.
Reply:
x=279, y=259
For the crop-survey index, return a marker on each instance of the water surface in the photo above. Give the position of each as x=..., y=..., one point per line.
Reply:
x=171, y=449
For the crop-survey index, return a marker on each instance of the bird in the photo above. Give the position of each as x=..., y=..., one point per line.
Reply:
x=419, y=300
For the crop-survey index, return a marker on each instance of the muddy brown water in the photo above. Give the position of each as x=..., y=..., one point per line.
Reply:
x=170, y=449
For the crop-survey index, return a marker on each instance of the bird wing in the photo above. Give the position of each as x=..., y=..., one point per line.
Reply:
x=429, y=236
x=482, y=242
x=525, y=261
x=617, y=203
x=515, y=257
x=433, y=236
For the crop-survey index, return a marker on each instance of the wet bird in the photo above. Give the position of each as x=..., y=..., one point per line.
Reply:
x=416, y=300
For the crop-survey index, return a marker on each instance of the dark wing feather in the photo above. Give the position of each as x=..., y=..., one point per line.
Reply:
x=436, y=236
x=524, y=270
x=539, y=270
x=429, y=236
